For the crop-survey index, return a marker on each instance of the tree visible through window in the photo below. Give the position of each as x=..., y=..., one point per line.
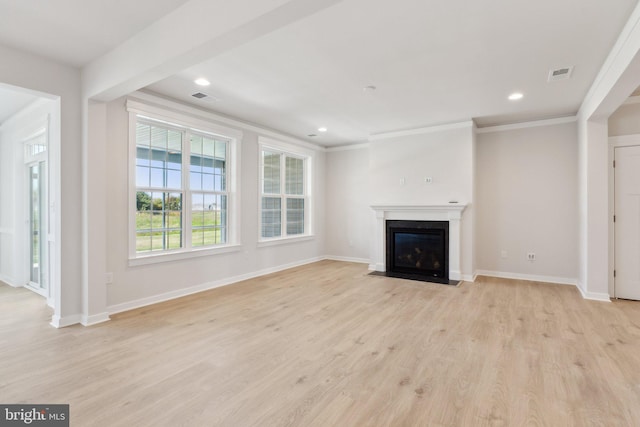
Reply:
x=171, y=174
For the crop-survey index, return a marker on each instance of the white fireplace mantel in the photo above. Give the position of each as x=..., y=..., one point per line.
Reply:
x=450, y=212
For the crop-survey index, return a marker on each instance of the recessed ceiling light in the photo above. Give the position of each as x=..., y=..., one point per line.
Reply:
x=322, y=129
x=202, y=82
x=515, y=96
x=369, y=88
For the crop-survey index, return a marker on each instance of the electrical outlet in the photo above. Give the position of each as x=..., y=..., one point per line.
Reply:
x=531, y=256
x=402, y=181
x=428, y=180
x=108, y=278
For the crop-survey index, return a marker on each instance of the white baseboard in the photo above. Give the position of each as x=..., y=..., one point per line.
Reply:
x=372, y=267
x=469, y=277
x=64, y=321
x=347, y=259
x=594, y=296
x=530, y=277
x=9, y=281
x=142, y=302
x=95, y=319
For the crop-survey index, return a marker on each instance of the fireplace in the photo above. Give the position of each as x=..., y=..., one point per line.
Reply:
x=450, y=213
x=418, y=250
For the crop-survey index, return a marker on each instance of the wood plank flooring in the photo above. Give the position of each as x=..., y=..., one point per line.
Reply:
x=327, y=345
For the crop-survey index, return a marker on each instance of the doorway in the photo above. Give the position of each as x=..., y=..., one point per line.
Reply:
x=29, y=190
x=37, y=202
x=627, y=222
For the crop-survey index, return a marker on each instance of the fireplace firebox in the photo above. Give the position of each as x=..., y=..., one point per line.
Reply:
x=418, y=250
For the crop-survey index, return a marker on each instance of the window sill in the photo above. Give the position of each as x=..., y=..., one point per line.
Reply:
x=176, y=256
x=285, y=240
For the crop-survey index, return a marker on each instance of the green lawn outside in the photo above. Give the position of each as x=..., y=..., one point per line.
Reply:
x=205, y=230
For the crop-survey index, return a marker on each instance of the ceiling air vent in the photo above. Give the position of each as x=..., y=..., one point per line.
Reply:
x=199, y=95
x=560, y=74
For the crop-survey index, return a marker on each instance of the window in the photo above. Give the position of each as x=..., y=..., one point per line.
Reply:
x=183, y=182
x=284, y=199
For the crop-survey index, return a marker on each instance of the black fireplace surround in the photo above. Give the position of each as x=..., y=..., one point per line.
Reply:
x=418, y=250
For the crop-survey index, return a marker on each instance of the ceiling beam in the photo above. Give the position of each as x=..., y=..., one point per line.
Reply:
x=195, y=32
x=619, y=76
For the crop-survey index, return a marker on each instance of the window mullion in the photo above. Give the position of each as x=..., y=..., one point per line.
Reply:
x=283, y=193
x=186, y=191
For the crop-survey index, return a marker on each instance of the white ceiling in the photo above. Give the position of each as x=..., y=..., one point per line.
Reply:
x=433, y=62
x=12, y=101
x=76, y=31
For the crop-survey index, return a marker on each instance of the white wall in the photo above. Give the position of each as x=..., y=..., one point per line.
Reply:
x=399, y=164
x=625, y=120
x=527, y=201
x=8, y=185
x=134, y=286
x=348, y=213
x=14, y=233
x=47, y=77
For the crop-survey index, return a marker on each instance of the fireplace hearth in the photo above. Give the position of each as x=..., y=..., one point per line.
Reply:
x=418, y=250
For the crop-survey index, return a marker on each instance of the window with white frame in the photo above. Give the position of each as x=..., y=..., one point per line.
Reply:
x=182, y=186
x=284, y=198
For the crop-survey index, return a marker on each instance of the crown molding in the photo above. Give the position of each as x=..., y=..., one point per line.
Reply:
x=525, y=125
x=209, y=115
x=348, y=147
x=421, y=131
x=632, y=100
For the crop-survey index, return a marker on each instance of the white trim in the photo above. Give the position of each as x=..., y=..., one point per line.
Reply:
x=624, y=140
x=373, y=267
x=350, y=147
x=632, y=100
x=469, y=277
x=454, y=209
x=285, y=240
x=131, y=305
x=176, y=256
x=531, y=124
x=451, y=213
x=42, y=101
x=64, y=321
x=594, y=296
x=529, y=277
x=9, y=281
x=347, y=259
x=208, y=115
x=186, y=124
x=618, y=61
x=308, y=157
x=184, y=121
x=95, y=319
x=423, y=130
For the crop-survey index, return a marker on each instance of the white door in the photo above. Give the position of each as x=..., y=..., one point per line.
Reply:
x=627, y=222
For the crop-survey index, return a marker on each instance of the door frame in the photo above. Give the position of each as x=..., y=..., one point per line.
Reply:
x=615, y=142
x=52, y=104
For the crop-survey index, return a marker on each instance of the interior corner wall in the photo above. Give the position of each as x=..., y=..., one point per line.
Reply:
x=625, y=121
x=594, y=209
x=47, y=77
x=348, y=211
x=14, y=187
x=8, y=184
x=135, y=286
x=399, y=165
x=527, y=201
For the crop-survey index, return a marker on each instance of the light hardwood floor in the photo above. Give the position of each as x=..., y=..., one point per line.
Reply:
x=328, y=345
